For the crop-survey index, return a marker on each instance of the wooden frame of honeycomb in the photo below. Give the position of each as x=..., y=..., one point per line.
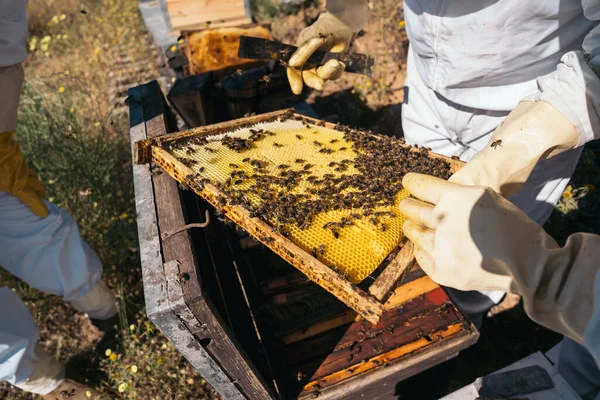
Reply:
x=368, y=304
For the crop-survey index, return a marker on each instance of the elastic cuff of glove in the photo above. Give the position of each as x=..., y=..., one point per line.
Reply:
x=47, y=374
x=99, y=303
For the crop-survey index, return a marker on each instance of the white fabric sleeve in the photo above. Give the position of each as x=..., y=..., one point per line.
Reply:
x=574, y=88
x=591, y=335
x=13, y=32
x=354, y=13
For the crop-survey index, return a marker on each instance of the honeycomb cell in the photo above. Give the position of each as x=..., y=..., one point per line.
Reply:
x=360, y=248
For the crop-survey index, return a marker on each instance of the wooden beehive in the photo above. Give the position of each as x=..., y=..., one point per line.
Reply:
x=216, y=49
x=250, y=323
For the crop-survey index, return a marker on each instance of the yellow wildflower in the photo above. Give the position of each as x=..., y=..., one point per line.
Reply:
x=402, y=24
x=54, y=20
x=58, y=36
x=149, y=326
x=132, y=327
x=190, y=381
x=97, y=50
x=50, y=181
x=65, y=36
x=62, y=17
x=122, y=387
x=100, y=20
x=51, y=199
x=569, y=188
x=173, y=79
x=135, y=337
x=590, y=187
x=108, y=352
x=567, y=194
x=61, y=89
x=94, y=204
x=124, y=216
x=112, y=357
x=160, y=360
x=173, y=48
x=134, y=368
x=164, y=346
x=72, y=109
x=180, y=41
x=88, y=393
x=96, y=124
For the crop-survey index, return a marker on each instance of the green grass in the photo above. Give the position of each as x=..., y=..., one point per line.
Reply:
x=71, y=135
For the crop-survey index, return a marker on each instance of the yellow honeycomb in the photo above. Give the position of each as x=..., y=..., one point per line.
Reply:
x=361, y=247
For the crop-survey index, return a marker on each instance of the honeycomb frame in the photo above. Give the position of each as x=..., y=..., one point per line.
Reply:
x=368, y=305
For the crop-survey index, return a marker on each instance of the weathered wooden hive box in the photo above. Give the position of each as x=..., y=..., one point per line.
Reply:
x=253, y=325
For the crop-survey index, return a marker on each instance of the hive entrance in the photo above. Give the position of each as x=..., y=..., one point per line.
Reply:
x=331, y=191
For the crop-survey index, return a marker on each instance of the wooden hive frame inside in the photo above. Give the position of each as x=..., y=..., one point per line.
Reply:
x=369, y=305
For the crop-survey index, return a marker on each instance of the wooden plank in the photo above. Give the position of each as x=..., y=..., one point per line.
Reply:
x=220, y=342
x=402, y=295
x=186, y=13
x=379, y=382
x=359, y=331
x=392, y=273
x=336, y=375
x=387, y=340
x=224, y=23
x=158, y=307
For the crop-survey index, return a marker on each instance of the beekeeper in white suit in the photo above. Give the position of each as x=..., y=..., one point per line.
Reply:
x=512, y=81
x=39, y=242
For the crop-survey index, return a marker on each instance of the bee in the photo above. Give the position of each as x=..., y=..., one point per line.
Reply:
x=314, y=252
x=209, y=149
x=245, y=160
x=237, y=182
x=266, y=79
x=299, y=161
x=322, y=249
x=336, y=234
x=283, y=166
x=275, y=144
x=233, y=165
x=307, y=166
x=238, y=72
x=342, y=148
x=316, y=143
x=496, y=143
x=333, y=141
x=455, y=157
x=201, y=169
x=183, y=276
x=383, y=227
x=299, y=137
x=322, y=36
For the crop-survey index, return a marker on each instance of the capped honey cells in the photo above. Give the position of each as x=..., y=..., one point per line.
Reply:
x=335, y=195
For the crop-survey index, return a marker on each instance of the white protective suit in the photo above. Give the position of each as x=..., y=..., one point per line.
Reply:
x=46, y=253
x=469, y=65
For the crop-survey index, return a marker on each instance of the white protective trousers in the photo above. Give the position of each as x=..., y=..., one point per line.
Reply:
x=49, y=255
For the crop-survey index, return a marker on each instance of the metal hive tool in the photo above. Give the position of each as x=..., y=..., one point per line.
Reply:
x=335, y=258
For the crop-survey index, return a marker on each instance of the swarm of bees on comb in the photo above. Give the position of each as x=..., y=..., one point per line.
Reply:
x=357, y=179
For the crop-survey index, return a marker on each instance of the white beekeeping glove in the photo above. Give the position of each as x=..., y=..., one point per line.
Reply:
x=471, y=238
x=533, y=131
